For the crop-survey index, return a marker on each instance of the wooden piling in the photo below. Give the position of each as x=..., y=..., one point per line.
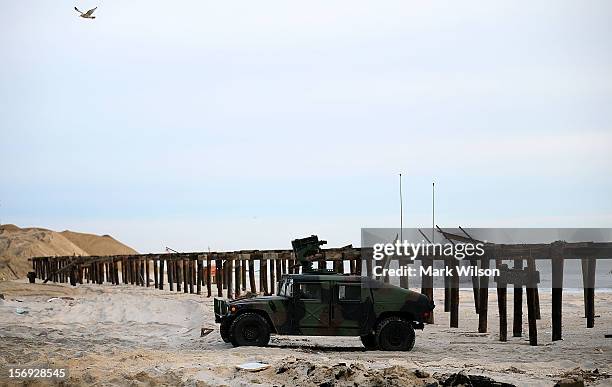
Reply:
x=185, y=275
x=252, y=274
x=338, y=266
x=454, y=301
x=208, y=276
x=107, y=271
x=224, y=272
x=557, y=297
x=475, y=289
x=322, y=264
x=193, y=277
x=161, y=273
x=111, y=272
x=171, y=274
x=237, y=276
x=427, y=285
x=588, y=278
x=136, y=272
x=148, y=271
x=483, y=297
x=199, y=276
x=447, y=289
x=502, y=305
x=279, y=268
x=517, y=322
x=272, y=276
x=142, y=273
x=243, y=271
x=284, y=264
x=115, y=271
x=218, y=275
x=263, y=276
x=190, y=273
x=123, y=271
x=531, y=267
x=229, y=266
x=531, y=303
x=133, y=267
x=531, y=316
x=178, y=270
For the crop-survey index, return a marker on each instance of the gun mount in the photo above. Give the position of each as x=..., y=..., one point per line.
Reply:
x=306, y=250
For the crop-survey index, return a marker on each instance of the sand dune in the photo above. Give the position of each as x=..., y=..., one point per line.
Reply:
x=19, y=244
x=97, y=245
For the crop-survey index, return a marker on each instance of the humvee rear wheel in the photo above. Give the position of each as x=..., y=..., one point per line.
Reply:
x=395, y=334
x=249, y=329
x=369, y=341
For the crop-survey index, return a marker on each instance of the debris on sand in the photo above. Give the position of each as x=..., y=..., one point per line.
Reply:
x=463, y=379
x=305, y=373
x=253, y=366
x=588, y=376
x=205, y=331
x=514, y=370
x=60, y=298
x=21, y=311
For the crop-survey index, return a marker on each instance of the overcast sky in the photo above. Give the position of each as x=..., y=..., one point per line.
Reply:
x=245, y=124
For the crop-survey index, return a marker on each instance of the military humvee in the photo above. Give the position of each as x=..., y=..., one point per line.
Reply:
x=325, y=303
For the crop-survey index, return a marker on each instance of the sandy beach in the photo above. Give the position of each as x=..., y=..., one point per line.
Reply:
x=125, y=335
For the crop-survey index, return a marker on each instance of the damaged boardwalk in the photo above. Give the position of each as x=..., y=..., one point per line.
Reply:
x=239, y=273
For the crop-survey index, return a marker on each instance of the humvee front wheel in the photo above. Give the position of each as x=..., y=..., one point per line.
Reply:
x=249, y=329
x=395, y=334
x=369, y=342
x=224, y=331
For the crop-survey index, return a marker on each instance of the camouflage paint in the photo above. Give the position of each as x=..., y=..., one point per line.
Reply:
x=329, y=316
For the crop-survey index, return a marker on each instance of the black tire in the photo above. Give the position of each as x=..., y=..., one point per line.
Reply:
x=369, y=342
x=250, y=329
x=395, y=334
x=224, y=331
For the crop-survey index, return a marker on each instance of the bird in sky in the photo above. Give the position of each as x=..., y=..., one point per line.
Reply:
x=88, y=14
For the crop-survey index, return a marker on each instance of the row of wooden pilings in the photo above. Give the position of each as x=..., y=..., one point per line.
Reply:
x=235, y=274
x=189, y=273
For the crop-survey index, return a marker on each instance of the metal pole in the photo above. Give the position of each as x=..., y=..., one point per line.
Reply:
x=433, y=212
x=401, y=209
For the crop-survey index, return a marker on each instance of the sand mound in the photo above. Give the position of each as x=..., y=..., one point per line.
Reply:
x=97, y=245
x=19, y=244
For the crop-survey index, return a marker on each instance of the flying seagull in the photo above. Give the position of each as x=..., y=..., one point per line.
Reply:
x=87, y=15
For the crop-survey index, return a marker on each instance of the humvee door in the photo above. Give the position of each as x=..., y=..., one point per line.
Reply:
x=312, y=306
x=347, y=306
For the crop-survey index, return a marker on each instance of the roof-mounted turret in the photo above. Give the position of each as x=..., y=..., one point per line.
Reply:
x=306, y=250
